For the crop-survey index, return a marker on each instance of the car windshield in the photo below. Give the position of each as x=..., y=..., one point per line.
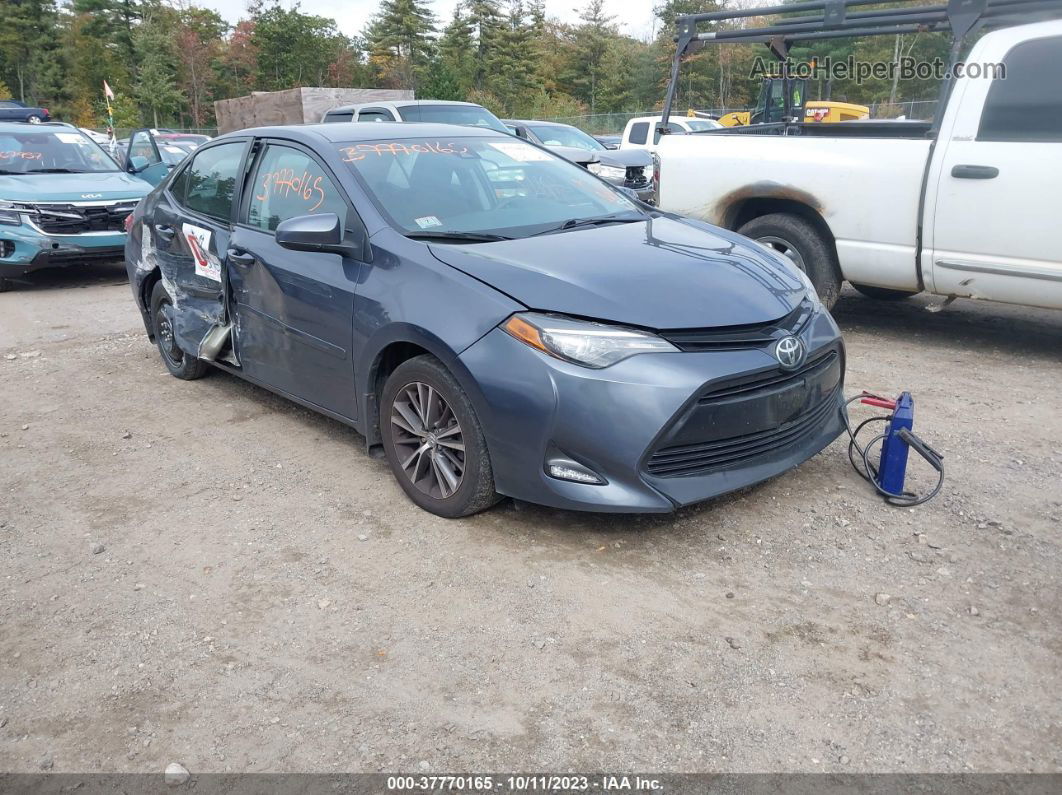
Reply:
x=172, y=155
x=562, y=135
x=62, y=152
x=465, y=115
x=482, y=185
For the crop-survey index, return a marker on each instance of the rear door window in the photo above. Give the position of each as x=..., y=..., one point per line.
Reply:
x=639, y=132
x=289, y=183
x=1026, y=107
x=211, y=180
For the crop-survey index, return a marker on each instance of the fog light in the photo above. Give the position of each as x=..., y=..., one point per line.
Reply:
x=566, y=469
x=7, y=249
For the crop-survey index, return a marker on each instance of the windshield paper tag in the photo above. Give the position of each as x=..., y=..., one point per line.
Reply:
x=198, y=240
x=71, y=138
x=428, y=221
x=520, y=152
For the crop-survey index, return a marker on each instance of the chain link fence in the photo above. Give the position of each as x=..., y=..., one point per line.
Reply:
x=613, y=123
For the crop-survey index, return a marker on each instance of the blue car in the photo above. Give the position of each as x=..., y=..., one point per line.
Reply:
x=63, y=200
x=502, y=321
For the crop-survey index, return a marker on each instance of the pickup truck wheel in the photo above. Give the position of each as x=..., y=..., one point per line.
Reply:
x=883, y=293
x=180, y=364
x=799, y=240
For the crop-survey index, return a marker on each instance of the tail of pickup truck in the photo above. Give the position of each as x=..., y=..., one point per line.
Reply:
x=888, y=207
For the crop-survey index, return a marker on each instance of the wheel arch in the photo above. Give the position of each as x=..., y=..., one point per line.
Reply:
x=740, y=211
x=147, y=285
x=387, y=351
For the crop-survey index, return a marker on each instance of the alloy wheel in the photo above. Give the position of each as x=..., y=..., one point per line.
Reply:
x=785, y=248
x=428, y=440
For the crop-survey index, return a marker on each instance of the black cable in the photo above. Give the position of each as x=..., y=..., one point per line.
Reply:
x=869, y=472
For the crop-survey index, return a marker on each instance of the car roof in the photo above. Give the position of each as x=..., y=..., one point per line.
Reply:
x=43, y=127
x=365, y=131
x=402, y=103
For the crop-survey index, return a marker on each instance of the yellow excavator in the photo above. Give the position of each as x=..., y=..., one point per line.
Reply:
x=770, y=106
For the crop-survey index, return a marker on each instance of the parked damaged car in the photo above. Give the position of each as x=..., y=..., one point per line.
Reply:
x=63, y=200
x=631, y=168
x=503, y=322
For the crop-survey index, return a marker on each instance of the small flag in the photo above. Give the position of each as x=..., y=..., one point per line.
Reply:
x=107, y=91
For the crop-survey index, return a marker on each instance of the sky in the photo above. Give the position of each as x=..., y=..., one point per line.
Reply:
x=635, y=17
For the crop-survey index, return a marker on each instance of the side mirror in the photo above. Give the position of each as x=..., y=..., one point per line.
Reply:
x=320, y=233
x=138, y=163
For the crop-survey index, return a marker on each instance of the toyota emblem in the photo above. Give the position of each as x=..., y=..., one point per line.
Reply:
x=790, y=353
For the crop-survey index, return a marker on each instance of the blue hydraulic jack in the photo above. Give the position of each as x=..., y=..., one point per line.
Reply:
x=896, y=441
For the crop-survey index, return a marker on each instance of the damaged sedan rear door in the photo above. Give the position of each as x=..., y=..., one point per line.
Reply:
x=187, y=230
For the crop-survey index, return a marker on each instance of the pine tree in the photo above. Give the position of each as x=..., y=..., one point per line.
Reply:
x=156, y=86
x=402, y=39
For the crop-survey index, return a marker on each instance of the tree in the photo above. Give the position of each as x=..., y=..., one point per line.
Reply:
x=401, y=41
x=28, y=49
x=510, y=62
x=156, y=86
x=294, y=49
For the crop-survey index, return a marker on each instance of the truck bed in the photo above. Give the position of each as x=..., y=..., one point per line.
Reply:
x=873, y=128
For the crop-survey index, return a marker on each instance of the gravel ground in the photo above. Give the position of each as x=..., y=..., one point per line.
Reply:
x=204, y=573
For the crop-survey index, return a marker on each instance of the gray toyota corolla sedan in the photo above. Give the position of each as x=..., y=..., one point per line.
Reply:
x=501, y=320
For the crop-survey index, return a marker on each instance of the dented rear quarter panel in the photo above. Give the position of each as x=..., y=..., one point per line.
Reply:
x=866, y=190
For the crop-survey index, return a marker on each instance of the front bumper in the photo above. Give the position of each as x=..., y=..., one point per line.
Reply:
x=619, y=421
x=24, y=249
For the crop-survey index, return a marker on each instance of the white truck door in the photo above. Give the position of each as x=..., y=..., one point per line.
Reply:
x=992, y=226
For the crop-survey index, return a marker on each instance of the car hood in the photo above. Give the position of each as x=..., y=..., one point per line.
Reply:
x=626, y=158
x=42, y=188
x=575, y=154
x=663, y=273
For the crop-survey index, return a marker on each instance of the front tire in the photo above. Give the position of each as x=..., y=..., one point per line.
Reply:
x=799, y=240
x=883, y=293
x=433, y=441
x=6, y=285
x=180, y=364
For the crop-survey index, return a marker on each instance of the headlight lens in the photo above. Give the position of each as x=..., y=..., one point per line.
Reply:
x=607, y=172
x=9, y=215
x=579, y=341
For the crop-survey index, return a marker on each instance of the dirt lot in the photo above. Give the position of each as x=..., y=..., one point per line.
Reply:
x=268, y=600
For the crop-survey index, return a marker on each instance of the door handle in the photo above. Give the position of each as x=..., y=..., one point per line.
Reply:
x=237, y=256
x=975, y=172
x=165, y=231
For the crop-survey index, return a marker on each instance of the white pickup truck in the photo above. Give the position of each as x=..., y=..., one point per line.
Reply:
x=973, y=212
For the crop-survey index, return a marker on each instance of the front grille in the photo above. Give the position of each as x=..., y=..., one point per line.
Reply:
x=731, y=338
x=69, y=219
x=702, y=458
x=756, y=385
x=636, y=177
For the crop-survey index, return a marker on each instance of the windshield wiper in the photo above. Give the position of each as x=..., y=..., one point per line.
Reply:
x=580, y=223
x=57, y=171
x=457, y=237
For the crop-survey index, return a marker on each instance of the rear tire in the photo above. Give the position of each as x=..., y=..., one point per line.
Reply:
x=433, y=440
x=883, y=293
x=180, y=364
x=799, y=240
x=34, y=119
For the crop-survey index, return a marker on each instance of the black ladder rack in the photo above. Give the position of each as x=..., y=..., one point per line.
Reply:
x=816, y=20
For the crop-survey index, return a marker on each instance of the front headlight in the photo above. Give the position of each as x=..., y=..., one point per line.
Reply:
x=582, y=342
x=607, y=172
x=9, y=214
